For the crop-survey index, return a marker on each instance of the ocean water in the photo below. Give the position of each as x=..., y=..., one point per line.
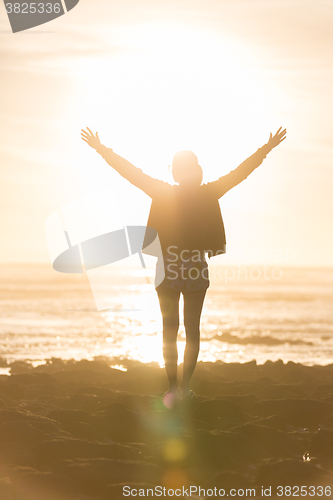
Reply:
x=248, y=314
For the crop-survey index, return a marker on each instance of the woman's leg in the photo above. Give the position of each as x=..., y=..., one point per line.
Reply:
x=169, y=304
x=193, y=302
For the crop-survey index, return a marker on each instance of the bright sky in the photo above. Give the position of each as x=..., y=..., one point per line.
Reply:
x=153, y=77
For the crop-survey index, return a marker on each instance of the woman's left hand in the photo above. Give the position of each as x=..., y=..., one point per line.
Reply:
x=275, y=140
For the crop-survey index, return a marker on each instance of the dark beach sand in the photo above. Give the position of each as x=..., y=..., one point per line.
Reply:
x=81, y=430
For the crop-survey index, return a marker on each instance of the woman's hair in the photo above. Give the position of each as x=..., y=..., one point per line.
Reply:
x=185, y=166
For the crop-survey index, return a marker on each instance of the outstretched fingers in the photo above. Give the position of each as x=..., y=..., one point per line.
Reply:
x=277, y=138
x=283, y=134
x=91, y=139
x=85, y=134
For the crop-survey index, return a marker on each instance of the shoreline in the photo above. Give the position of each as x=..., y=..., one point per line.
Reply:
x=26, y=365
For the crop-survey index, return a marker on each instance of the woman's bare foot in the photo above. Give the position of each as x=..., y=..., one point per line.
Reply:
x=186, y=392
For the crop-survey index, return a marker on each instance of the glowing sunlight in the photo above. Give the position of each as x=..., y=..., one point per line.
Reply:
x=171, y=87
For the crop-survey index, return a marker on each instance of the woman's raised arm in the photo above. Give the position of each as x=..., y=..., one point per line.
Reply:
x=152, y=187
x=225, y=183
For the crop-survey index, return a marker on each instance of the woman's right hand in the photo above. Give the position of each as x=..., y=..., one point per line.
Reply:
x=91, y=139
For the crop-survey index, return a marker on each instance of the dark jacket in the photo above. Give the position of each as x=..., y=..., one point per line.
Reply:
x=188, y=220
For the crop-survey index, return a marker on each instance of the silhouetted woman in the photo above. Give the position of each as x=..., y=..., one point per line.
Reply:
x=189, y=224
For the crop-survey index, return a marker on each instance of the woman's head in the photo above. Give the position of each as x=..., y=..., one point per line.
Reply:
x=186, y=169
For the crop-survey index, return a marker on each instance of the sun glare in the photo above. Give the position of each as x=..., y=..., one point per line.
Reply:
x=168, y=87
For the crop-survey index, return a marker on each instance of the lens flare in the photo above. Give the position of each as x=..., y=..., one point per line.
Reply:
x=174, y=450
x=174, y=479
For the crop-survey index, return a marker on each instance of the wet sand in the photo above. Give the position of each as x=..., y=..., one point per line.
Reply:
x=82, y=430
